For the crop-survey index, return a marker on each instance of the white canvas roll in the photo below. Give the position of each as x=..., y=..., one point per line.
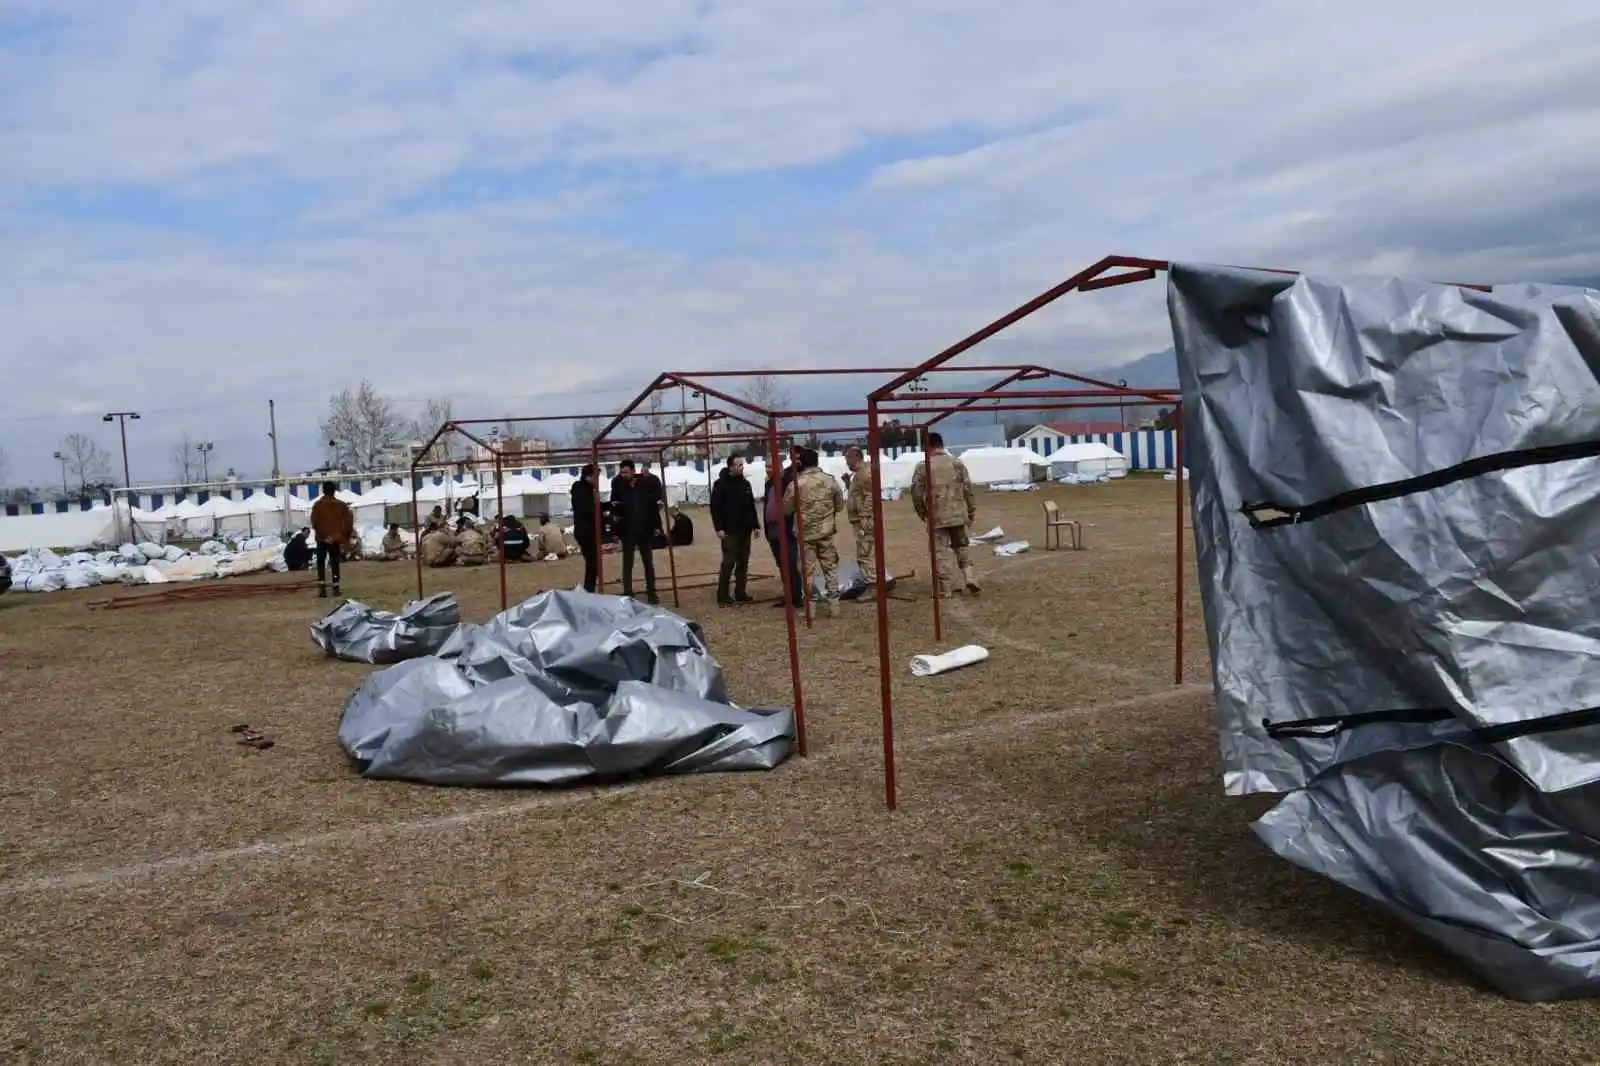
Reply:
x=929, y=665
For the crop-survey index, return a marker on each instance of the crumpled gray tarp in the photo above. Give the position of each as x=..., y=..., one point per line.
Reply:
x=562, y=688
x=357, y=633
x=1436, y=631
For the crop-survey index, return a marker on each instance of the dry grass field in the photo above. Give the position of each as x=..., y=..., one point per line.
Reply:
x=1064, y=882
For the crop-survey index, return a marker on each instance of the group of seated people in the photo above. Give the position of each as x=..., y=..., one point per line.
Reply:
x=464, y=542
x=468, y=544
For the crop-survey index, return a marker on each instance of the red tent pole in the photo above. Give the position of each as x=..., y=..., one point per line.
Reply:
x=784, y=564
x=885, y=679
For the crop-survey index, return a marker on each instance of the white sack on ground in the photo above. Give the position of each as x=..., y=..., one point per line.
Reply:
x=994, y=534
x=929, y=665
x=40, y=581
x=1016, y=547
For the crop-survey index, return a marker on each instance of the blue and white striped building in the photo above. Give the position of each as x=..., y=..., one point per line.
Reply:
x=1145, y=449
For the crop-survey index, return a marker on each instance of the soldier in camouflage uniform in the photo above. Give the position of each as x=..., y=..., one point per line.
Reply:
x=472, y=547
x=820, y=500
x=858, y=508
x=438, y=547
x=953, y=510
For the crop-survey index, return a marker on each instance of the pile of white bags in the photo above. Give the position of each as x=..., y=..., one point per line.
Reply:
x=42, y=570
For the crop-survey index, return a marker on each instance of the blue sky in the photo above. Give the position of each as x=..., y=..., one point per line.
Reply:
x=532, y=207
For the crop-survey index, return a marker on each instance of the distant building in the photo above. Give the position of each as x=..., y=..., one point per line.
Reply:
x=1053, y=431
x=515, y=452
x=398, y=456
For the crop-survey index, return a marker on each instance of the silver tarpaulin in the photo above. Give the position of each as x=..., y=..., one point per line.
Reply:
x=1396, y=498
x=357, y=633
x=563, y=688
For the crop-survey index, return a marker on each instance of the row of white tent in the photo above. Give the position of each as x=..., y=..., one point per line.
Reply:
x=521, y=494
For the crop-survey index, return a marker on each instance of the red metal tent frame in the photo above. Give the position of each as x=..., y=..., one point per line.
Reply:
x=1107, y=273
x=766, y=426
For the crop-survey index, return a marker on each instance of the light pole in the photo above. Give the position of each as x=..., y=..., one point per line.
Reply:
x=705, y=417
x=205, y=448
x=1122, y=405
x=121, y=418
x=65, y=492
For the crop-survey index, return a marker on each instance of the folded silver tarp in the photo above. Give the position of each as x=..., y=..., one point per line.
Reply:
x=563, y=688
x=1396, y=505
x=357, y=633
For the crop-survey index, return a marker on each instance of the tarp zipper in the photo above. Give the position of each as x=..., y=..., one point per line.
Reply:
x=1268, y=514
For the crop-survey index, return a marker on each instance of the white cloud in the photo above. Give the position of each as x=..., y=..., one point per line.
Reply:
x=1424, y=137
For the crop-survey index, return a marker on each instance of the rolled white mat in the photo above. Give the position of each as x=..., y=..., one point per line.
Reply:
x=1016, y=547
x=928, y=665
x=994, y=534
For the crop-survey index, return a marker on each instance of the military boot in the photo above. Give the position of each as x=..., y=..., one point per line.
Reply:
x=831, y=605
x=972, y=582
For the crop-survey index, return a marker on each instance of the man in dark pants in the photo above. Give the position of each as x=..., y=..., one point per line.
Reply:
x=777, y=523
x=733, y=517
x=584, y=529
x=335, y=526
x=636, y=502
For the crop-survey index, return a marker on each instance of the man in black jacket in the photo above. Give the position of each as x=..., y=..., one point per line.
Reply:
x=636, y=501
x=584, y=529
x=733, y=516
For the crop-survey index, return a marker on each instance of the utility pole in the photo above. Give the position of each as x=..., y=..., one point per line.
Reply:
x=204, y=448
x=272, y=435
x=121, y=418
x=65, y=492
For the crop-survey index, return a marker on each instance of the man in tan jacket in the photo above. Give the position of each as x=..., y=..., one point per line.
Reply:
x=819, y=500
x=335, y=526
x=951, y=501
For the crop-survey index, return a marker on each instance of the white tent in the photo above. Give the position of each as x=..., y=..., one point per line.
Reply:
x=999, y=466
x=1088, y=458
x=432, y=494
x=686, y=486
x=374, y=504
x=225, y=515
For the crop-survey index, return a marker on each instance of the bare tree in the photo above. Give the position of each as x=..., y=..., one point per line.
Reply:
x=585, y=430
x=86, y=461
x=652, y=419
x=436, y=413
x=768, y=392
x=185, y=461
x=361, y=424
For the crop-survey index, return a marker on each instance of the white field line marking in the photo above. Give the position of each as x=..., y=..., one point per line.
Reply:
x=367, y=833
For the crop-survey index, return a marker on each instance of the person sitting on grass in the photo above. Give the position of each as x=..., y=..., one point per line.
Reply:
x=472, y=547
x=550, y=542
x=438, y=547
x=514, y=539
x=297, y=553
x=394, y=545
